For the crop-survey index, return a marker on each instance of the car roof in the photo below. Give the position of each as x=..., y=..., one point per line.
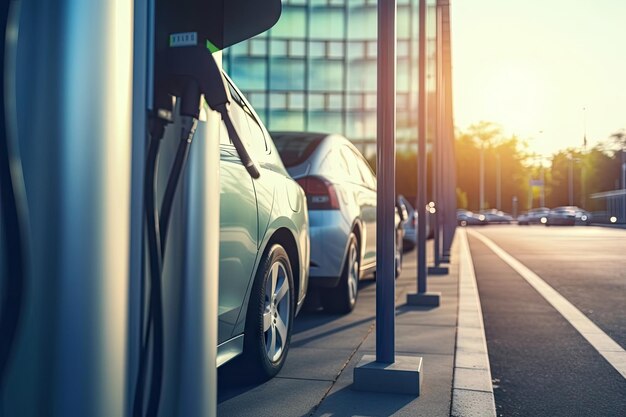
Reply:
x=296, y=147
x=306, y=145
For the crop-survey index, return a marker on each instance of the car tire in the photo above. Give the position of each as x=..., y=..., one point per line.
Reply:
x=270, y=315
x=343, y=297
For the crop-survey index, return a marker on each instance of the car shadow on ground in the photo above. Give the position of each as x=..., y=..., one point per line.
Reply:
x=312, y=325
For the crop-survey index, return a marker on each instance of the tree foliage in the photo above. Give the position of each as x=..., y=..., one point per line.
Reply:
x=595, y=170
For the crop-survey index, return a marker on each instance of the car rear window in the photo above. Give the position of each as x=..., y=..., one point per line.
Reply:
x=294, y=150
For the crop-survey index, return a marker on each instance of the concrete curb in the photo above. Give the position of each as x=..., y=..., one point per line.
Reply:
x=472, y=389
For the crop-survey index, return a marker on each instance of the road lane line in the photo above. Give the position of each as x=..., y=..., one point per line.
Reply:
x=472, y=393
x=602, y=342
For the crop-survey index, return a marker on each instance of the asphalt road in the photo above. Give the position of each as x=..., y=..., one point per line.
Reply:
x=540, y=364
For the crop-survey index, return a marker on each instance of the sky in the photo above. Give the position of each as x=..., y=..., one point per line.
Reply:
x=545, y=70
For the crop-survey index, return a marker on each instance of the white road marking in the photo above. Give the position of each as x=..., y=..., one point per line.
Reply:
x=606, y=346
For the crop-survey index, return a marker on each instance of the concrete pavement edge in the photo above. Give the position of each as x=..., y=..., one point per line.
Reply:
x=472, y=388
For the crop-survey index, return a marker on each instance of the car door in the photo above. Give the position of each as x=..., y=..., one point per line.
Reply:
x=238, y=228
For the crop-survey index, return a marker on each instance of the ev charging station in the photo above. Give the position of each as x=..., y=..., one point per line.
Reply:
x=83, y=89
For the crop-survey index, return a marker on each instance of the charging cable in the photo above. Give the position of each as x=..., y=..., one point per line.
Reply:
x=188, y=73
x=13, y=207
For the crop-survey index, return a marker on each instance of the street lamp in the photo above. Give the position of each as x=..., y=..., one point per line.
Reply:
x=571, y=179
x=498, y=181
x=482, y=176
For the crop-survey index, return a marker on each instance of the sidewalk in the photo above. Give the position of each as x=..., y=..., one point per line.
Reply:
x=317, y=377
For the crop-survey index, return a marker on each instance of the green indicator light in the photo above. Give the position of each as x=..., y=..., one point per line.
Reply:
x=211, y=47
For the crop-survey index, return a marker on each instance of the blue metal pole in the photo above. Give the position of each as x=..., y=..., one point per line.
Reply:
x=421, y=153
x=386, y=156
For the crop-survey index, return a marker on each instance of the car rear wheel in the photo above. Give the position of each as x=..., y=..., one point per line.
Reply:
x=342, y=298
x=270, y=315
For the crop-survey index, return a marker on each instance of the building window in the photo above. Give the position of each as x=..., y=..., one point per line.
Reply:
x=372, y=49
x=326, y=75
x=317, y=49
x=278, y=101
x=297, y=49
x=334, y=101
x=258, y=47
x=295, y=101
x=316, y=101
x=292, y=23
x=279, y=48
x=327, y=23
x=355, y=101
x=370, y=101
x=403, y=49
x=287, y=74
x=335, y=50
x=257, y=100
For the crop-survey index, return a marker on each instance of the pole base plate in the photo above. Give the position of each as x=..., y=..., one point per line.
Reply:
x=438, y=270
x=404, y=376
x=424, y=299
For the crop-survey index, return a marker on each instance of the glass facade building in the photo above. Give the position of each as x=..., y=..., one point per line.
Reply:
x=315, y=70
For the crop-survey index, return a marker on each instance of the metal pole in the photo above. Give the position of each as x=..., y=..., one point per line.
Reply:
x=421, y=153
x=482, y=177
x=386, y=157
x=543, y=188
x=498, y=182
x=623, y=188
x=571, y=181
x=437, y=170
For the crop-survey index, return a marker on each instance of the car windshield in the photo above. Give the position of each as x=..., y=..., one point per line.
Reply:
x=294, y=150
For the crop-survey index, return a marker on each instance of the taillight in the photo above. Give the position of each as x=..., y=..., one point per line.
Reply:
x=320, y=193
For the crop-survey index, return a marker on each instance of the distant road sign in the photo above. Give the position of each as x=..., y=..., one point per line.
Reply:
x=536, y=183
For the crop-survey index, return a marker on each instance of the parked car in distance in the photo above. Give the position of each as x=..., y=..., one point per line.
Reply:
x=561, y=216
x=341, y=194
x=264, y=249
x=534, y=216
x=468, y=218
x=494, y=216
x=583, y=217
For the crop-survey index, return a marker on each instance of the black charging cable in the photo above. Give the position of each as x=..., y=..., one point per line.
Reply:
x=153, y=332
x=188, y=129
x=13, y=207
x=187, y=73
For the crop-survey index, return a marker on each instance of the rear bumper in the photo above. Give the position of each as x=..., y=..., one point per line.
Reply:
x=329, y=233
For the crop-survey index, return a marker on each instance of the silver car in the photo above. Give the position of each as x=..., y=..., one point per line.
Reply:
x=341, y=196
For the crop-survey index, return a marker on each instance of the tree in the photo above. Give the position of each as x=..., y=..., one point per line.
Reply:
x=503, y=154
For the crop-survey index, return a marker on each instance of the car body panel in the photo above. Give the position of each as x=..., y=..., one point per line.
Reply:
x=239, y=238
x=254, y=214
x=535, y=216
x=468, y=218
x=561, y=216
x=329, y=231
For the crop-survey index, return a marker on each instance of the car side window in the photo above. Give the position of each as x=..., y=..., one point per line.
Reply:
x=239, y=118
x=255, y=138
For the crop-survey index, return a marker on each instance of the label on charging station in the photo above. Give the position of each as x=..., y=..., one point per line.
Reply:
x=183, y=39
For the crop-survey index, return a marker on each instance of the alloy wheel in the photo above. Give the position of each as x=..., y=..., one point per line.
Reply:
x=276, y=312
